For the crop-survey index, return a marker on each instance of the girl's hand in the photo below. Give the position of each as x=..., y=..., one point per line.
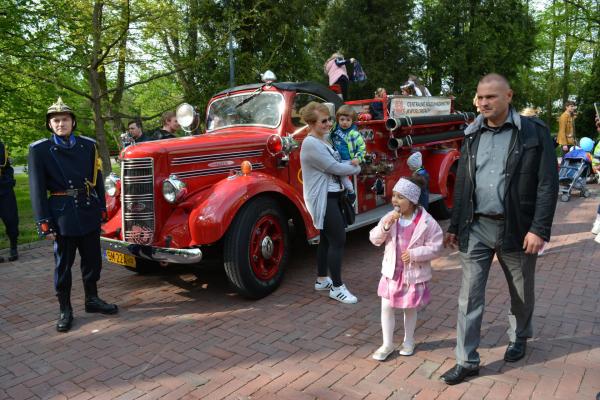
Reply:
x=406, y=257
x=390, y=219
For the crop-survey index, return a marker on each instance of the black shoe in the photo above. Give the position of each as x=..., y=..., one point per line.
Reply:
x=65, y=320
x=14, y=255
x=97, y=305
x=515, y=351
x=457, y=374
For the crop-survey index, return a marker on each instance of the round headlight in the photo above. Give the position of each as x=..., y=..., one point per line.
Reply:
x=173, y=189
x=111, y=185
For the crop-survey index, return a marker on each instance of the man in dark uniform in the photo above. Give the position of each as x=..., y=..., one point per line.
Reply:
x=8, y=203
x=135, y=131
x=65, y=167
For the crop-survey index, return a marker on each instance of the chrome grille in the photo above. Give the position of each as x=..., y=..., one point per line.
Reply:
x=137, y=198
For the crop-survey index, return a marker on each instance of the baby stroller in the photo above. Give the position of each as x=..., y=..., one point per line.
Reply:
x=574, y=169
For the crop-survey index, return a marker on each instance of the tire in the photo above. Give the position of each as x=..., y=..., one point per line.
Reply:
x=565, y=197
x=256, y=248
x=585, y=193
x=442, y=209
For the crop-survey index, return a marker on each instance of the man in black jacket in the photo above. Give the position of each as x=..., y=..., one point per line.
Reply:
x=504, y=201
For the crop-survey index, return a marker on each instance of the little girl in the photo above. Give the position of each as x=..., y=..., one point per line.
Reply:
x=412, y=239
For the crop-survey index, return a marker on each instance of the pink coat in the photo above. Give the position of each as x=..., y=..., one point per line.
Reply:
x=425, y=245
x=334, y=72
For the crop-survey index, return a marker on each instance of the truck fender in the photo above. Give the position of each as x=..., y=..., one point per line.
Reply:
x=438, y=164
x=213, y=210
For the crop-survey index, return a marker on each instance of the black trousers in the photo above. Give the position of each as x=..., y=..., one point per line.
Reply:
x=332, y=241
x=64, y=256
x=10, y=215
x=343, y=82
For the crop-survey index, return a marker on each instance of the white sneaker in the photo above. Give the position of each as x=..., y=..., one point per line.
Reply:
x=596, y=227
x=382, y=353
x=597, y=240
x=325, y=285
x=342, y=294
x=407, y=350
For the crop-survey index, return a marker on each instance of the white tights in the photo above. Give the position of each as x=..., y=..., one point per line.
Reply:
x=388, y=322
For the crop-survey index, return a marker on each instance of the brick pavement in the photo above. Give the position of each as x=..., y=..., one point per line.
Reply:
x=186, y=335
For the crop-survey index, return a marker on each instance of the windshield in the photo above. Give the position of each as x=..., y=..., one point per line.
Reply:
x=259, y=109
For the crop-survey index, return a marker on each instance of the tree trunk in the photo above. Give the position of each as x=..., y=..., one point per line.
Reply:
x=550, y=80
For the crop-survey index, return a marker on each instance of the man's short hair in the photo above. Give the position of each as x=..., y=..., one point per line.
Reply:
x=137, y=123
x=569, y=103
x=494, y=77
x=166, y=117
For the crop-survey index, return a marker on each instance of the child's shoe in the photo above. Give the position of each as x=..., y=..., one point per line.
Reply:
x=342, y=294
x=382, y=353
x=325, y=285
x=596, y=226
x=407, y=349
x=351, y=197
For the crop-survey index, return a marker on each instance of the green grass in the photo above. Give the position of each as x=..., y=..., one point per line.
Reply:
x=27, y=229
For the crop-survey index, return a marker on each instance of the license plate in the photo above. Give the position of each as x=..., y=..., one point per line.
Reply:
x=120, y=258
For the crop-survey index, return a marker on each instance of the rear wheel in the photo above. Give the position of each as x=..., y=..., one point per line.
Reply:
x=256, y=248
x=442, y=209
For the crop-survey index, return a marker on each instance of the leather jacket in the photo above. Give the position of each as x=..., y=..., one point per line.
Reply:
x=531, y=189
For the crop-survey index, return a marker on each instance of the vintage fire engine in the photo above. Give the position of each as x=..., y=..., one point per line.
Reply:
x=236, y=189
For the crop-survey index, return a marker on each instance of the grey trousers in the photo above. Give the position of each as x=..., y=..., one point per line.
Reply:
x=485, y=238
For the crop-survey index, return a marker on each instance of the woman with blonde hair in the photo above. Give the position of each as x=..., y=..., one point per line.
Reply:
x=335, y=68
x=322, y=188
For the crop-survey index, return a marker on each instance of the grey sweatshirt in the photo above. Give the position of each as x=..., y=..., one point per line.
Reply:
x=319, y=166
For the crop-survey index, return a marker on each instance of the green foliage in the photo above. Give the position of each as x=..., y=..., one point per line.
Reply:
x=466, y=39
x=379, y=34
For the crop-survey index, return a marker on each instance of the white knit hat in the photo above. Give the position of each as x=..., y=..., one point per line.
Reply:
x=415, y=161
x=409, y=190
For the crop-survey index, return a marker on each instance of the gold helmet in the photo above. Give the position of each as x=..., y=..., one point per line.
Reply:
x=59, y=108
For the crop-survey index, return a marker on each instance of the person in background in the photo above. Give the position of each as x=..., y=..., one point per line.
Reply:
x=376, y=108
x=420, y=89
x=335, y=68
x=596, y=225
x=321, y=169
x=566, y=127
x=67, y=197
x=412, y=239
x=349, y=143
x=8, y=203
x=169, y=126
x=505, y=197
x=530, y=112
x=135, y=131
x=415, y=164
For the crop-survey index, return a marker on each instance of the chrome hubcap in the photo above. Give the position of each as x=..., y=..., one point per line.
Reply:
x=267, y=247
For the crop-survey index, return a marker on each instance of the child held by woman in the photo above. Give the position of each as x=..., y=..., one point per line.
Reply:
x=412, y=239
x=348, y=141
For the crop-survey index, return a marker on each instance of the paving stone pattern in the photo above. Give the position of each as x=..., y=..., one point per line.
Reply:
x=186, y=335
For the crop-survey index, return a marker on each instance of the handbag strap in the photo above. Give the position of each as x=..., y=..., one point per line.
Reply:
x=336, y=177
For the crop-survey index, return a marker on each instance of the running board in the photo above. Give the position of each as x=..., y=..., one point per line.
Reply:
x=373, y=216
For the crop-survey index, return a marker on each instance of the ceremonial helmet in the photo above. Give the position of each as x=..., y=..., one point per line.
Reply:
x=59, y=108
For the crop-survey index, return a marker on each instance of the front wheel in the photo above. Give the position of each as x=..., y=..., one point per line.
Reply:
x=256, y=248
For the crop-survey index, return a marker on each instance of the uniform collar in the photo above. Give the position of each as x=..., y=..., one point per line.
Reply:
x=67, y=144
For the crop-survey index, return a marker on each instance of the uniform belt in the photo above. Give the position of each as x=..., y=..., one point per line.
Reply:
x=70, y=192
x=495, y=217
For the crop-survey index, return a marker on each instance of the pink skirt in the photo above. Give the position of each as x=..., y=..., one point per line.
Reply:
x=404, y=296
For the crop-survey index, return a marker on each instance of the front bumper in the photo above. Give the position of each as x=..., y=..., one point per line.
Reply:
x=160, y=254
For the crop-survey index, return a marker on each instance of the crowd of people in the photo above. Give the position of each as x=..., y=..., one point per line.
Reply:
x=505, y=196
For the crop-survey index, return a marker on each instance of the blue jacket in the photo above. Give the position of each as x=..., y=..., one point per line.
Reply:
x=55, y=167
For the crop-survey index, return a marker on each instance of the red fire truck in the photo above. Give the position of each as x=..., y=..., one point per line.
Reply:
x=236, y=189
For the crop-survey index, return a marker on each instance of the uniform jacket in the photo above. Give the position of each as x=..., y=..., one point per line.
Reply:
x=353, y=139
x=566, y=129
x=56, y=168
x=531, y=189
x=7, y=179
x=424, y=246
